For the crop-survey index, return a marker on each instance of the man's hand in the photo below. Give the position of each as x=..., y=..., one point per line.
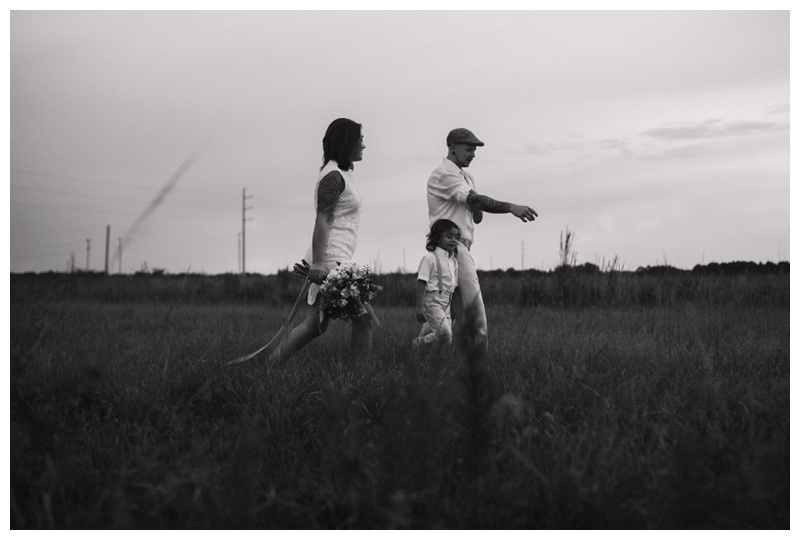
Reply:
x=525, y=213
x=420, y=317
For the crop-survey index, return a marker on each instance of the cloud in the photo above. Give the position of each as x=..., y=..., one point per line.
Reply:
x=541, y=149
x=621, y=146
x=683, y=152
x=712, y=129
x=618, y=145
x=658, y=142
x=778, y=109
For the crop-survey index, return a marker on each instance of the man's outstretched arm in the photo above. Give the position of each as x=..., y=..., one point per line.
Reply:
x=487, y=204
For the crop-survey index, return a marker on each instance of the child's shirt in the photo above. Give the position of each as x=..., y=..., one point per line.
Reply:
x=436, y=263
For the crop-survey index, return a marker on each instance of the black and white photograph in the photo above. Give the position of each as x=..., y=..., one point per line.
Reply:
x=404, y=267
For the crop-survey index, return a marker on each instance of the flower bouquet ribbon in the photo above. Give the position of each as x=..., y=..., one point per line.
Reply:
x=283, y=332
x=346, y=292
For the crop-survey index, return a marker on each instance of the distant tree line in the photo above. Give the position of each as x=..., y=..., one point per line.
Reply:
x=735, y=268
x=585, y=285
x=741, y=267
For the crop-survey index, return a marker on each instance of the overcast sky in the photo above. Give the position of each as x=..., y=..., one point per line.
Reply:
x=657, y=137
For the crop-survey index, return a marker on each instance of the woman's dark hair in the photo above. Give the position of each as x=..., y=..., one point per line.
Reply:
x=340, y=141
x=439, y=227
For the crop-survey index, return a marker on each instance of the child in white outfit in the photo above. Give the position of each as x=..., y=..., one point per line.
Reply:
x=437, y=279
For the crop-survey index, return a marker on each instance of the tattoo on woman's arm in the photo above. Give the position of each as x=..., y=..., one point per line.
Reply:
x=330, y=187
x=487, y=204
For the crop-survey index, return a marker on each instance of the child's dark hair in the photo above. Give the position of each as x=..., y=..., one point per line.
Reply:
x=439, y=227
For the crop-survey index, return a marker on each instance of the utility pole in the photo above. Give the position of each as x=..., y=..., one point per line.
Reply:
x=88, y=247
x=108, y=237
x=244, y=219
x=239, y=255
x=120, y=254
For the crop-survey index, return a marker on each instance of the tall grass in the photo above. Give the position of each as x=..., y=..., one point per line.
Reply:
x=671, y=414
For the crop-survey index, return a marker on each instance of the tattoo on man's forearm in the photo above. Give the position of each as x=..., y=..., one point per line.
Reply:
x=487, y=204
x=328, y=193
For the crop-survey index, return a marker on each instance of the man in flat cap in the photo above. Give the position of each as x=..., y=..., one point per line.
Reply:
x=452, y=195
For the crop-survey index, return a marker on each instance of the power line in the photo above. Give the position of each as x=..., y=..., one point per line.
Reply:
x=113, y=198
x=41, y=255
x=203, y=217
x=112, y=184
x=68, y=208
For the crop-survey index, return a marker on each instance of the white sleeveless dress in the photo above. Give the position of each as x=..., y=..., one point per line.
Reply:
x=343, y=236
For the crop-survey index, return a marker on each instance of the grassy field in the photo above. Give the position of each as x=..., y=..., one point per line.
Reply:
x=660, y=415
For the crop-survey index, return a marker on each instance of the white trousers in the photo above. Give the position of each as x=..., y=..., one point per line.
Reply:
x=474, y=311
x=439, y=324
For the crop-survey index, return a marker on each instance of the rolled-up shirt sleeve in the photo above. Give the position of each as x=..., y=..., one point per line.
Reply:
x=450, y=187
x=424, y=272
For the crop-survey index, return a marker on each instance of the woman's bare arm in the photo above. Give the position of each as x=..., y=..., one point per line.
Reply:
x=328, y=192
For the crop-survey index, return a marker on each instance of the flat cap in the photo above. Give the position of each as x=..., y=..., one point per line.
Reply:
x=463, y=136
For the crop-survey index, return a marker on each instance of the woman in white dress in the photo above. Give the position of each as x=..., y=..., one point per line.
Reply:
x=338, y=207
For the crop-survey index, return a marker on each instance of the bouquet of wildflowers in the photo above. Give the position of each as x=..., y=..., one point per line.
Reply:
x=346, y=291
